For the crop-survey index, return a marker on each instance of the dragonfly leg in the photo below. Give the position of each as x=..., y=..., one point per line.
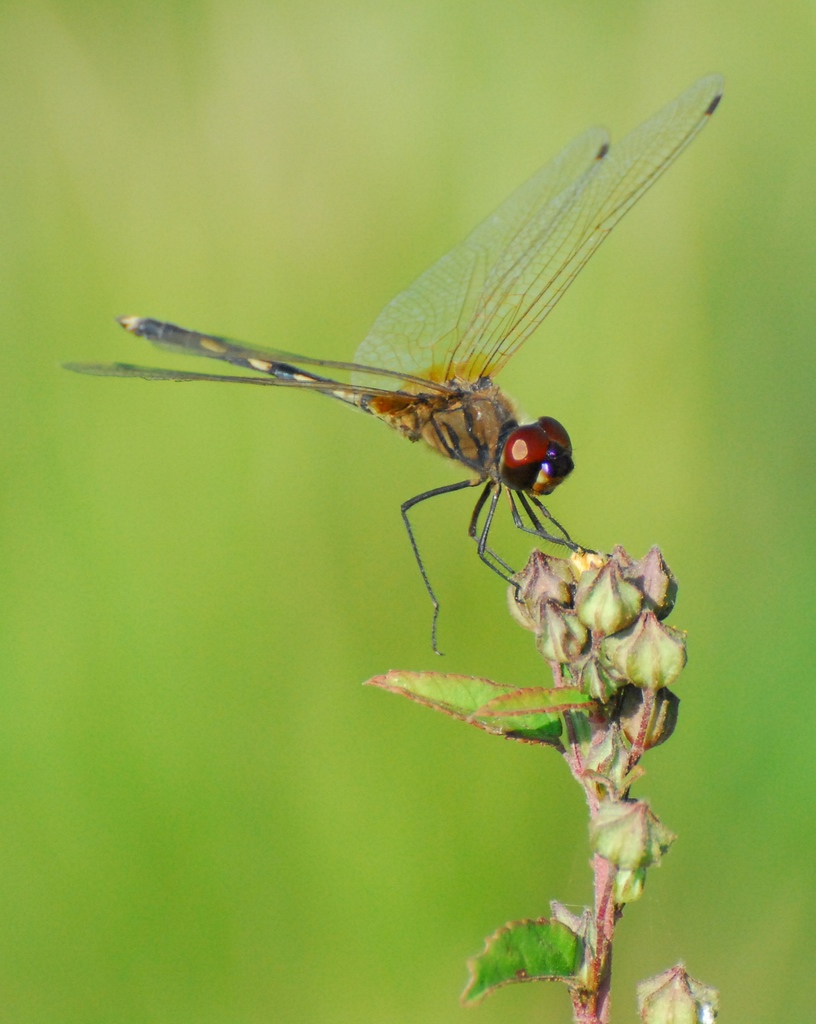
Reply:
x=404, y=509
x=568, y=542
x=498, y=565
x=538, y=529
x=473, y=532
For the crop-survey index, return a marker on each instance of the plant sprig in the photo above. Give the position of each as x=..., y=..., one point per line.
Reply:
x=598, y=622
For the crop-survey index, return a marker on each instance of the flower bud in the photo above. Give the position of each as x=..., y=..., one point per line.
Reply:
x=650, y=655
x=621, y=557
x=561, y=636
x=606, y=602
x=674, y=997
x=594, y=681
x=606, y=760
x=627, y=834
x=662, y=720
x=655, y=580
x=542, y=579
x=628, y=885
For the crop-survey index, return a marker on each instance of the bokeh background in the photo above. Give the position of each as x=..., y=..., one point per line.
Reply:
x=204, y=816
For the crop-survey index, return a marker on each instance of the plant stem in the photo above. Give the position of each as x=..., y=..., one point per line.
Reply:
x=591, y=1005
x=646, y=710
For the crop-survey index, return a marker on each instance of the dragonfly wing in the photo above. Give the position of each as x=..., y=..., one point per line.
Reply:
x=548, y=250
x=354, y=394
x=153, y=373
x=419, y=329
x=285, y=366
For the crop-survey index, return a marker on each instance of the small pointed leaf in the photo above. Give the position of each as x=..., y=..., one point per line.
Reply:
x=463, y=696
x=456, y=695
x=524, y=951
x=535, y=699
x=532, y=714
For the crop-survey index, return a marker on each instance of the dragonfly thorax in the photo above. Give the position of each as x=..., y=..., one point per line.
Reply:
x=536, y=457
x=467, y=424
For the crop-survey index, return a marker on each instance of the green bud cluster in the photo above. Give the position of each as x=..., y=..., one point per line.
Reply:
x=599, y=622
x=600, y=619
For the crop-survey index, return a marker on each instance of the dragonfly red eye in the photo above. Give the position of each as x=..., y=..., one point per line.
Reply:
x=556, y=432
x=537, y=457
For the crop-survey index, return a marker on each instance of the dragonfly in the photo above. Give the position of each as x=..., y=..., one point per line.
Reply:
x=427, y=366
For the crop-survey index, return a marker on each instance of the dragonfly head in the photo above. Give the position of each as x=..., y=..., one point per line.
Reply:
x=536, y=457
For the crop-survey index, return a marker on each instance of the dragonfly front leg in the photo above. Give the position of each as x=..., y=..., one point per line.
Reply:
x=538, y=529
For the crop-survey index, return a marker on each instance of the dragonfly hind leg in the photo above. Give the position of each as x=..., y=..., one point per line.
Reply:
x=404, y=509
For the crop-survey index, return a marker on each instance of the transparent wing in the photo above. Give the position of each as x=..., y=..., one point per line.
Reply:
x=471, y=311
x=418, y=330
x=153, y=373
x=546, y=254
x=285, y=366
x=351, y=393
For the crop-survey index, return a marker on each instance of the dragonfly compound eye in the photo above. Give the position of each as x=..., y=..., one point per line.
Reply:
x=537, y=457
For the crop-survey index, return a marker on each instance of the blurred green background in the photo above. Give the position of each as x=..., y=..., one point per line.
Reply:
x=204, y=817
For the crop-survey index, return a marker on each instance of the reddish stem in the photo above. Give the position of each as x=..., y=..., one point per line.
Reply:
x=591, y=1004
x=646, y=710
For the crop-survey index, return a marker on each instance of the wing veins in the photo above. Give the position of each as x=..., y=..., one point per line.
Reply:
x=488, y=348
x=155, y=373
x=174, y=338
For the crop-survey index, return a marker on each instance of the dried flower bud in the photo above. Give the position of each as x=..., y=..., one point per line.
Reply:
x=655, y=581
x=674, y=997
x=628, y=885
x=561, y=636
x=649, y=654
x=621, y=557
x=605, y=601
x=662, y=720
x=542, y=579
x=628, y=834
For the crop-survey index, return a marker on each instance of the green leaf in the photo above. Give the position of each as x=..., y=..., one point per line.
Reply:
x=524, y=951
x=533, y=728
x=464, y=696
x=530, y=714
x=455, y=695
x=535, y=700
